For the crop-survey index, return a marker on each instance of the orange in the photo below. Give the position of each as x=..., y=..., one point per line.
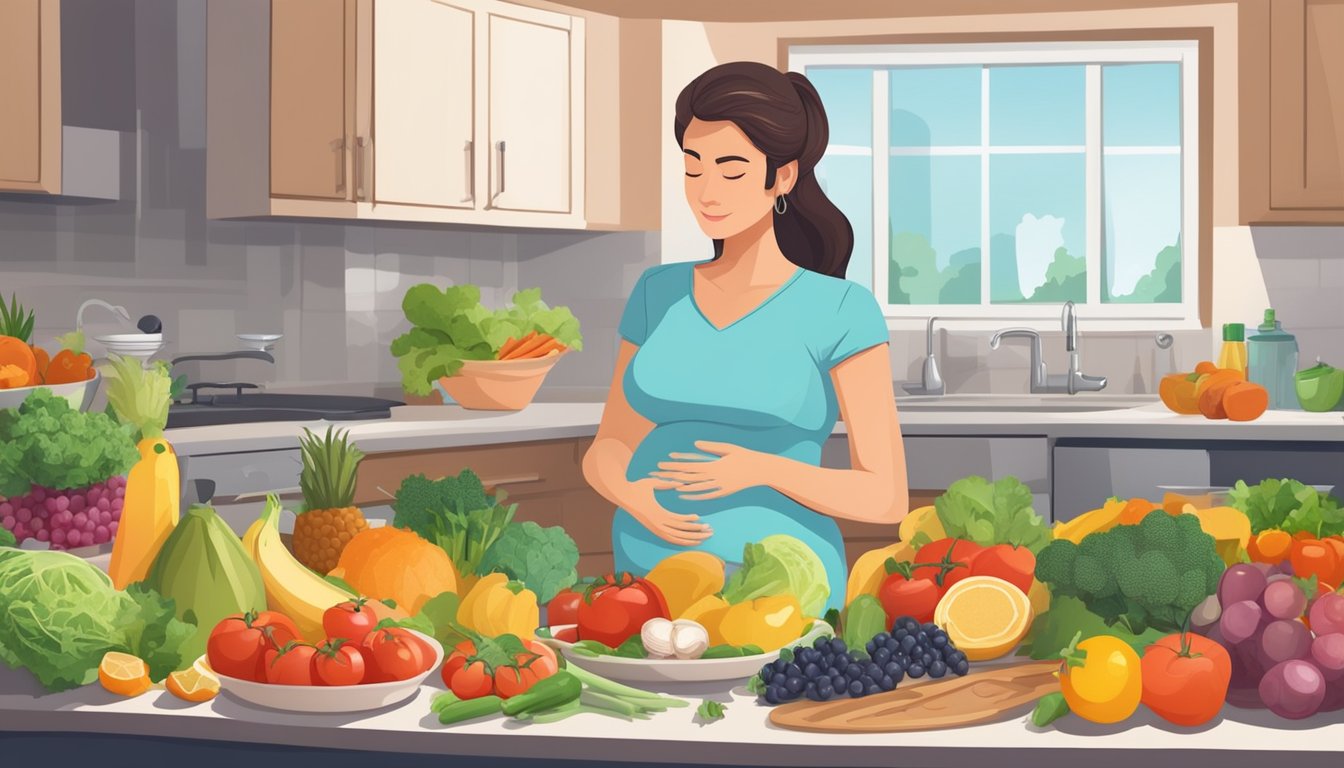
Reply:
x=984, y=616
x=123, y=674
x=196, y=683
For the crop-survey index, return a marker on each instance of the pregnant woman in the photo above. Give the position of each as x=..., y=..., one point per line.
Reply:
x=732, y=371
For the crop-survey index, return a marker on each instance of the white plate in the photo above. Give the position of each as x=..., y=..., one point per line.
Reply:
x=330, y=699
x=676, y=670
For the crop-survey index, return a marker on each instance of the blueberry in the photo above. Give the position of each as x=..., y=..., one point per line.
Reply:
x=794, y=684
x=822, y=644
x=915, y=671
x=803, y=657
x=929, y=627
x=832, y=672
x=838, y=645
x=910, y=624
x=843, y=659
x=839, y=683
x=780, y=665
x=881, y=638
x=900, y=634
x=891, y=668
x=907, y=643
x=926, y=659
x=937, y=669
x=939, y=641
x=853, y=671
x=855, y=688
x=887, y=683
x=814, y=695
x=963, y=667
x=811, y=685
x=892, y=644
x=811, y=671
x=866, y=681
x=896, y=678
x=793, y=670
x=873, y=670
x=922, y=637
x=870, y=647
x=874, y=688
x=824, y=690
x=953, y=657
x=772, y=694
x=881, y=656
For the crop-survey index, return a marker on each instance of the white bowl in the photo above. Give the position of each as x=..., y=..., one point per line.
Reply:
x=139, y=345
x=79, y=394
x=328, y=699
x=676, y=670
x=260, y=341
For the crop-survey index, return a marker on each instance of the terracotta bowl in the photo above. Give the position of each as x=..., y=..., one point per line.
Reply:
x=499, y=385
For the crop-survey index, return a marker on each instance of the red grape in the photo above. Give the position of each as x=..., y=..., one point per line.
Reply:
x=1293, y=689
x=1327, y=614
x=1240, y=582
x=1283, y=599
x=1327, y=653
x=1239, y=621
x=1284, y=640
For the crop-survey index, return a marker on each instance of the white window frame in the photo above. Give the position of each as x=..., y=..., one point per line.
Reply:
x=1115, y=316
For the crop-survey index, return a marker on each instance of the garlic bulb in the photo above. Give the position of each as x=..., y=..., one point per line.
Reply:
x=689, y=639
x=656, y=634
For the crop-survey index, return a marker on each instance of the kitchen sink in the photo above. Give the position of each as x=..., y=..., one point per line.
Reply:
x=1080, y=403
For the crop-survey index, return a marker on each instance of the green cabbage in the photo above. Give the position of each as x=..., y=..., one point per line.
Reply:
x=777, y=565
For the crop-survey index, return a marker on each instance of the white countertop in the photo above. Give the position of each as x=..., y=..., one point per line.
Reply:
x=447, y=426
x=1239, y=738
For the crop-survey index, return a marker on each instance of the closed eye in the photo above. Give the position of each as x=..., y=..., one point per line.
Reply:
x=692, y=175
x=738, y=176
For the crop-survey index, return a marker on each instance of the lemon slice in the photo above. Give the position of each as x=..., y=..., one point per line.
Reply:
x=196, y=683
x=123, y=674
x=984, y=617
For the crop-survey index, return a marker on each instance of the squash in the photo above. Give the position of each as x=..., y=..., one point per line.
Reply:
x=870, y=569
x=396, y=564
x=686, y=577
x=1088, y=523
x=1177, y=391
x=1229, y=527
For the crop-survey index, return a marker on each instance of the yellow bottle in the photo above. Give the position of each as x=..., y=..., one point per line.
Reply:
x=1233, y=354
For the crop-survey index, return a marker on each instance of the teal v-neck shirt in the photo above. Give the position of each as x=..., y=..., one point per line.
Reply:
x=762, y=382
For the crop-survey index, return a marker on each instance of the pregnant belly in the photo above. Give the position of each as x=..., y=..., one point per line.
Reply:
x=681, y=437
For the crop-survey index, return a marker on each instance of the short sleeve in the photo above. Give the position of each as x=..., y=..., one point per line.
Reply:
x=634, y=326
x=858, y=325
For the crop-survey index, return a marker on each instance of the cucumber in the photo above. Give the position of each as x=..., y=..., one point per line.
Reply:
x=470, y=709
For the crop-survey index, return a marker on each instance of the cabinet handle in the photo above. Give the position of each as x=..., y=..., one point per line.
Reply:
x=518, y=480
x=501, y=169
x=471, y=172
x=361, y=143
x=338, y=148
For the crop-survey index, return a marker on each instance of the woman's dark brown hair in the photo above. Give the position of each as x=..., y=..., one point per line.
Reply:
x=781, y=114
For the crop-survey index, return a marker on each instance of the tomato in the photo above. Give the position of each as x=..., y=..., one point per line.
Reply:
x=456, y=660
x=238, y=644
x=349, y=620
x=338, y=663
x=1335, y=543
x=1314, y=558
x=472, y=681
x=394, y=654
x=291, y=665
x=615, y=608
x=1102, y=679
x=903, y=594
x=1015, y=565
x=1185, y=678
x=568, y=635
x=564, y=608
x=945, y=562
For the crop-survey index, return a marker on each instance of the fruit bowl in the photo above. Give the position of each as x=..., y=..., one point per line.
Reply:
x=329, y=699
x=627, y=670
x=79, y=393
x=499, y=385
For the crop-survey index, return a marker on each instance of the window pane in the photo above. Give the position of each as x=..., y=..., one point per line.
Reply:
x=935, y=230
x=1141, y=104
x=1141, y=258
x=847, y=95
x=848, y=181
x=1036, y=105
x=935, y=106
x=1038, y=230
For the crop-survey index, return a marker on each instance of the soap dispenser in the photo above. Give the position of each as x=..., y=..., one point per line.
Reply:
x=1272, y=362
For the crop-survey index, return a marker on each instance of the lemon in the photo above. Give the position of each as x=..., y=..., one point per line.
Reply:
x=123, y=674
x=984, y=616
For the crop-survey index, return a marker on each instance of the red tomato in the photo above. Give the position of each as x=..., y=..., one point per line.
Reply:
x=945, y=562
x=238, y=644
x=1185, y=678
x=568, y=635
x=1015, y=565
x=536, y=663
x=615, y=609
x=338, y=663
x=564, y=608
x=349, y=620
x=456, y=660
x=1314, y=558
x=1337, y=544
x=291, y=665
x=472, y=681
x=903, y=594
x=393, y=654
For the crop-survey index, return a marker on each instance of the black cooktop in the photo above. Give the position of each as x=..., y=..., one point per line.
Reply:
x=246, y=408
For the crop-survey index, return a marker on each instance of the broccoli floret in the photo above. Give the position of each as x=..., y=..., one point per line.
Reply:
x=1089, y=575
x=1054, y=564
x=421, y=504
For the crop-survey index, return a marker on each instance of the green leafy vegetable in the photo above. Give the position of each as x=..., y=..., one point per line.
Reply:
x=545, y=559
x=1054, y=630
x=992, y=513
x=73, y=341
x=1289, y=506
x=710, y=710
x=438, y=619
x=451, y=325
x=632, y=648
x=6, y=538
x=139, y=396
x=776, y=565
x=47, y=443
x=455, y=513
x=59, y=615
x=756, y=685
x=863, y=618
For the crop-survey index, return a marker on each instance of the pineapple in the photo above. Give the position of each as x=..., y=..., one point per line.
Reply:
x=329, y=520
x=16, y=320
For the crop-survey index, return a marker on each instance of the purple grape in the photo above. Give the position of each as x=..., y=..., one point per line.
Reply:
x=1284, y=640
x=8, y=522
x=38, y=494
x=77, y=503
x=1293, y=689
x=58, y=537
x=1239, y=621
x=92, y=497
x=117, y=504
x=37, y=524
x=104, y=504
x=79, y=519
x=43, y=535
x=112, y=527
x=101, y=535
x=23, y=515
x=1327, y=653
x=1240, y=582
x=120, y=492
x=20, y=532
x=89, y=525
x=1284, y=600
x=6, y=509
x=1327, y=614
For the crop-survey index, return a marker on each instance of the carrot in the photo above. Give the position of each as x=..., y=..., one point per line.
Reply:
x=17, y=353
x=67, y=367
x=43, y=360
x=553, y=345
x=1245, y=401
x=527, y=346
x=509, y=348
x=506, y=348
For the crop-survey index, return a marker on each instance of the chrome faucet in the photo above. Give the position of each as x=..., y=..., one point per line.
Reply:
x=1075, y=380
x=932, y=382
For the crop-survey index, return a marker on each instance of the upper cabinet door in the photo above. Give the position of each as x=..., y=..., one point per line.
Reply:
x=423, y=72
x=30, y=96
x=312, y=100
x=530, y=115
x=1306, y=114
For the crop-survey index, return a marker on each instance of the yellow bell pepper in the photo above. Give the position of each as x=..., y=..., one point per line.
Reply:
x=767, y=622
x=496, y=606
x=869, y=570
x=708, y=612
x=1102, y=679
x=686, y=577
x=923, y=520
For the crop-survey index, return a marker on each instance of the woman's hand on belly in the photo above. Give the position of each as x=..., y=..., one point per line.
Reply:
x=683, y=530
x=730, y=468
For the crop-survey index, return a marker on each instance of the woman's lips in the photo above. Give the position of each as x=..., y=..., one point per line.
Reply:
x=712, y=217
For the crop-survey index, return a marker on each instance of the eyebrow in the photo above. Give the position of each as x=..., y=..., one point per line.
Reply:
x=721, y=160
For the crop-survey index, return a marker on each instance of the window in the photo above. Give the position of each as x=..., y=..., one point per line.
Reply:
x=996, y=181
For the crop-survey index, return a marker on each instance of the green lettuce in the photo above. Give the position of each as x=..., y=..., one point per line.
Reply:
x=863, y=619
x=450, y=325
x=1289, y=506
x=1052, y=631
x=991, y=513
x=45, y=442
x=7, y=538
x=777, y=565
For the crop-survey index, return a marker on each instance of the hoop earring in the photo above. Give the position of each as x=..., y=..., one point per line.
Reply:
x=781, y=205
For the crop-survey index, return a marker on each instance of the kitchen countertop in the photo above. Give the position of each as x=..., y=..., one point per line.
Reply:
x=1240, y=738
x=430, y=427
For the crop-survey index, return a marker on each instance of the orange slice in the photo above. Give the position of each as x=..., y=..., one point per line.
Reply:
x=196, y=683
x=984, y=616
x=123, y=674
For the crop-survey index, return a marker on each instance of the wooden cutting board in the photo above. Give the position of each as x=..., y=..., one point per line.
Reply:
x=982, y=696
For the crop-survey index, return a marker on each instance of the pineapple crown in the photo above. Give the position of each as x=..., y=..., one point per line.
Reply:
x=329, y=466
x=16, y=320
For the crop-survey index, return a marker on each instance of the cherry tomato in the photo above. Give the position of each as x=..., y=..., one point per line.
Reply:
x=1015, y=565
x=393, y=654
x=238, y=644
x=564, y=607
x=472, y=681
x=338, y=663
x=350, y=620
x=945, y=562
x=615, y=608
x=903, y=594
x=456, y=660
x=291, y=665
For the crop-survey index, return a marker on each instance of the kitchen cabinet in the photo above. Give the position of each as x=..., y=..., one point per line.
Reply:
x=30, y=96
x=1292, y=93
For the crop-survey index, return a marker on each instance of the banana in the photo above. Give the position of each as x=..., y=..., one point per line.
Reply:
x=291, y=588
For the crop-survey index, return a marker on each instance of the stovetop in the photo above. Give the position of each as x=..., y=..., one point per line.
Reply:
x=251, y=407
